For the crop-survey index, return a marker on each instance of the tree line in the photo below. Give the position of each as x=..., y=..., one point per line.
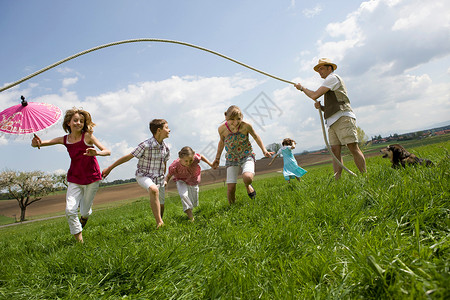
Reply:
x=30, y=187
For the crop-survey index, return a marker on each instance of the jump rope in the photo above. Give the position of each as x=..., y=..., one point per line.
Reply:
x=184, y=44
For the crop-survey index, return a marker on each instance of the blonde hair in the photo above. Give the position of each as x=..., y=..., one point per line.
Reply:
x=88, y=124
x=186, y=151
x=232, y=112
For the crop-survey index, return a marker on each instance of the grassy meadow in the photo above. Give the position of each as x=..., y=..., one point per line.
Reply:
x=380, y=236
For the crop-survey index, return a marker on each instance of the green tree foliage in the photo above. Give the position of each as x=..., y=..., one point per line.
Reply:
x=362, y=138
x=60, y=180
x=26, y=187
x=274, y=147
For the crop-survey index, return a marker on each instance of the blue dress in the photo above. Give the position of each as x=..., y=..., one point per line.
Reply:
x=290, y=168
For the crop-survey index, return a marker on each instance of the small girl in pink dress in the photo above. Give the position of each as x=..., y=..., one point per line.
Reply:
x=186, y=173
x=84, y=174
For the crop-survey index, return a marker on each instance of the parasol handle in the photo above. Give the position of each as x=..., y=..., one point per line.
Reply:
x=24, y=103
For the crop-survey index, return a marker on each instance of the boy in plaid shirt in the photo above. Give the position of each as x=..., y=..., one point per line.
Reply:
x=153, y=155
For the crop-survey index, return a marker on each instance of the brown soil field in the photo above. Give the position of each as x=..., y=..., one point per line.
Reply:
x=55, y=204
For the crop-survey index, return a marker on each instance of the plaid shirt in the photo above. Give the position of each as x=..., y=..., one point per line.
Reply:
x=152, y=159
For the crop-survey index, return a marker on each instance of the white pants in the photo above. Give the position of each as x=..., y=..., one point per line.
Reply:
x=188, y=195
x=81, y=196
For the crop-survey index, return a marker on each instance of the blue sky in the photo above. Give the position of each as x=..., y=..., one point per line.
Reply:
x=393, y=55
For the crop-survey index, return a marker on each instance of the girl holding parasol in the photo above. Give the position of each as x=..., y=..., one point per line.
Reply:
x=84, y=174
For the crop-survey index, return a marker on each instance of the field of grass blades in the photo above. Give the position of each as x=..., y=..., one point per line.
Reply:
x=384, y=235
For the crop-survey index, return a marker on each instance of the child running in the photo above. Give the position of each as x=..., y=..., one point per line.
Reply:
x=152, y=155
x=186, y=173
x=234, y=137
x=291, y=169
x=84, y=175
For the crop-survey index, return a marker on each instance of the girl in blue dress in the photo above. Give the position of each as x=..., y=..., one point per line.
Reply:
x=291, y=169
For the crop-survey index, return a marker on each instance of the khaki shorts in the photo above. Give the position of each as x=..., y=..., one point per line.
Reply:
x=343, y=132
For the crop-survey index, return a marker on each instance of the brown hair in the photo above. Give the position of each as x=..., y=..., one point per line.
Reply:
x=232, y=112
x=88, y=124
x=186, y=151
x=288, y=142
x=155, y=124
x=332, y=67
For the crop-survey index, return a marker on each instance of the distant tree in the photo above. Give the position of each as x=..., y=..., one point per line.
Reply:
x=60, y=180
x=274, y=147
x=26, y=187
x=362, y=137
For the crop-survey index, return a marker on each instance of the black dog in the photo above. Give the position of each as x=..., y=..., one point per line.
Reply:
x=400, y=157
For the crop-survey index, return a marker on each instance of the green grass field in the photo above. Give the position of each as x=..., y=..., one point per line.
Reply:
x=381, y=236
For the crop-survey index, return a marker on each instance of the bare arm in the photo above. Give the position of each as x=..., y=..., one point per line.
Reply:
x=37, y=142
x=202, y=158
x=273, y=158
x=91, y=139
x=118, y=162
x=313, y=94
x=167, y=179
x=258, y=140
x=220, y=147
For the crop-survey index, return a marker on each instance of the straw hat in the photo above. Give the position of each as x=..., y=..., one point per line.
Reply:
x=325, y=61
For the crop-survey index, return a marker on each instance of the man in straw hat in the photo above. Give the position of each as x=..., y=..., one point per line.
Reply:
x=339, y=117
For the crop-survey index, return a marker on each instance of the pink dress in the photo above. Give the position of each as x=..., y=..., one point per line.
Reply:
x=83, y=169
x=190, y=175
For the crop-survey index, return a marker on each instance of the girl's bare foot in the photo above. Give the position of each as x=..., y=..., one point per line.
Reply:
x=79, y=237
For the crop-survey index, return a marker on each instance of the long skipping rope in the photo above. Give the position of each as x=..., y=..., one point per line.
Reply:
x=179, y=43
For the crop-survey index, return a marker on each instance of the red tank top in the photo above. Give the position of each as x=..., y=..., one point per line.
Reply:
x=83, y=169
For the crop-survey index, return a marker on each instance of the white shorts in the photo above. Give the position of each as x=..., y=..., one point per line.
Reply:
x=233, y=171
x=147, y=182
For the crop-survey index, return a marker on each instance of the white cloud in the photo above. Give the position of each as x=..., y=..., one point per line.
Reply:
x=414, y=16
x=312, y=12
x=58, y=172
x=401, y=33
x=65, y=70
x=292, y=4
x=69, y=81
x=3, y=141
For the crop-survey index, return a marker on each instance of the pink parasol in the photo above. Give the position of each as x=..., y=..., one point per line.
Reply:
x=28, y=117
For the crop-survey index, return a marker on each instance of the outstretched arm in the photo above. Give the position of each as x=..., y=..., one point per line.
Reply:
x=273, y=158
x=258, y=141
x=220, y=147
x=120, y=161
x=202, y=158
x=91, y=139
x=313, y=94
x=167, y=179
x=37, y=142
